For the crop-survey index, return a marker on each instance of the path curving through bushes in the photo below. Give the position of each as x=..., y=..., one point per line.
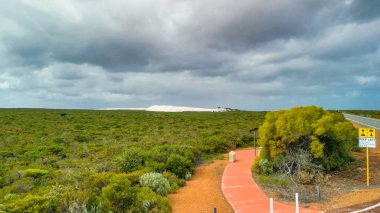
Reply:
x=243, y=193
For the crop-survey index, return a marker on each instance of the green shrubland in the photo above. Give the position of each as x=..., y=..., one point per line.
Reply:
x=92, y=161
x=304, y=142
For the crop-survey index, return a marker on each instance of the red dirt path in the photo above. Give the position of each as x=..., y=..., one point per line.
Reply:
x=203, y=192
x=243, y=193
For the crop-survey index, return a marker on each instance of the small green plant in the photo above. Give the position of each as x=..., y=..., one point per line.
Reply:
x=29, y=203
x=174, y=187
x=131, y=160
x=35, y=173
x=119, y=195
x=179, y=165
x=6, y=153
x=56, y=149
x=10, y=197
x=265, y=166
x=82, y=138
x=156, y=182
x=273, y=180
x=188, y=176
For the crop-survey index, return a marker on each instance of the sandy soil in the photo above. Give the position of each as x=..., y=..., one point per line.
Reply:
x=203, y=192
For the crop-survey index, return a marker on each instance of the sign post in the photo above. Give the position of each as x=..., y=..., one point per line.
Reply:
x=367, y=139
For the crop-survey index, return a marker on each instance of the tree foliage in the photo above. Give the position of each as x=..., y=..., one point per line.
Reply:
x=287, y=136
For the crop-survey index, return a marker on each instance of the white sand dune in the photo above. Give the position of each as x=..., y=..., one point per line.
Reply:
x=168, y=108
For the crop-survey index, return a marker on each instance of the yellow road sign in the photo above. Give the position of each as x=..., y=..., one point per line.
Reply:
x=367, y=133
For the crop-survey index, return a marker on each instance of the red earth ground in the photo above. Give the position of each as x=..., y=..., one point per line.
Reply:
x=203, y=192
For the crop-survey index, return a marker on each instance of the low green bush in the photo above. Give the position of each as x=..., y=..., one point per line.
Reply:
x=156, y=182
x=273, y=180
x=10, y=196
x=131, y=160
x=82, y=138
x=28, y=204
x=56, y=149
x=174, y=188
x=6, y=154
x=35, y=173
x=179, y=165
x=134, y=177
x=119, y=195
x=148, y=201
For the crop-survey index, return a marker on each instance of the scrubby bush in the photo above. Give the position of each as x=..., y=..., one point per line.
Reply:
x=56, y=149
x=219, y=143
x=99, y=180
x=131, y=160
x=119, y=195
x=29, y=204
x=10, y=197
x=69, y=199
x=273, y=180
x=60, y=140
x=173, y=179
x=134, y=177
x=179, y=165
x=156, y=182
x=82, y=138
x=304, y=140
x=6, y=154
x=35, y=173
x=149, y=201
x=174, y=188
x=2, y=182
x=265, y=167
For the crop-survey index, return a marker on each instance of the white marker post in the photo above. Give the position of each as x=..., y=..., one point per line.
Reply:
x=271, y=205
x=297, y=204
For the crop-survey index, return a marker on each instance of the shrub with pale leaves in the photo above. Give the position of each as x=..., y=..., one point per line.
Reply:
x=156, y=182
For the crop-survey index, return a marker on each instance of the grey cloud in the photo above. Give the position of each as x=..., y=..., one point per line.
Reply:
x=133, y=53
x=246, y=24
x=364, y=10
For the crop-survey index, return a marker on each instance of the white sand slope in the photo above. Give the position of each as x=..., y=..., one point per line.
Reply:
x=168, y=108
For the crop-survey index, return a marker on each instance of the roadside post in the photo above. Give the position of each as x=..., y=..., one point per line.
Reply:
x=271, y=209
x=254, y=130
x=367, y=139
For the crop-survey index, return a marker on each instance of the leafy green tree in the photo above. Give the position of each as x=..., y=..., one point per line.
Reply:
x=291, y=134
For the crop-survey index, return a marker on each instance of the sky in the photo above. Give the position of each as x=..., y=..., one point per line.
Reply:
x=246, y=54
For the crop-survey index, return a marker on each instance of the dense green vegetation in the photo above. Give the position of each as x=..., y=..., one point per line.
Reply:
x=365, y=113
x=100, y=161
x=304, y=142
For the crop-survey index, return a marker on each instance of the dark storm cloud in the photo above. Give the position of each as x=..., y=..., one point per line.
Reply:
x=364, y=10
x=250, y=53
x=246, y=24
